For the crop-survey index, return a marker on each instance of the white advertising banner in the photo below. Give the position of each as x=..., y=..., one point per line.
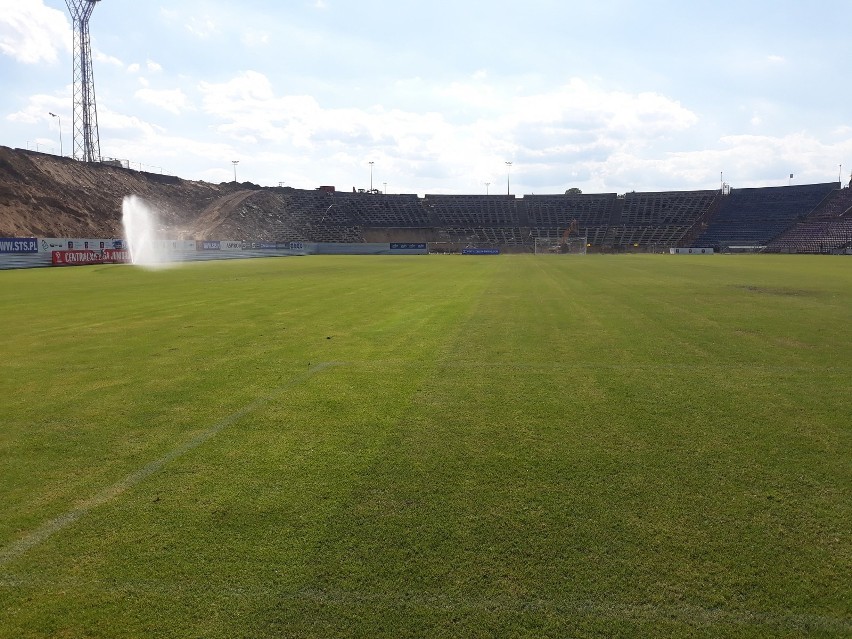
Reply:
x=691, y=251
x=50, y=244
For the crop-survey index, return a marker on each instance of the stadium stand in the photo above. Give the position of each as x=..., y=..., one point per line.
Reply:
x=673, y=208
x=474, y=210
x=550, y=215
x=558, y=211
x=659, y=219
x=817, y=218
x=751, y=218
x=827, y=229
x=387, y=211
x=487, y=235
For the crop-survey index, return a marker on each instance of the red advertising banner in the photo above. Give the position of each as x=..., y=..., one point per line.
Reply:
x=80, y=258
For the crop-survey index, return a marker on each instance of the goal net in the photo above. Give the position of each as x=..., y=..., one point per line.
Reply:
x=566, y=246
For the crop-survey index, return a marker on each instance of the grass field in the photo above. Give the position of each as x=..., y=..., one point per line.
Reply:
x=598, y=446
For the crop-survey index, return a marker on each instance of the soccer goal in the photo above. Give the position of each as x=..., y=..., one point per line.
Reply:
x=563, y=246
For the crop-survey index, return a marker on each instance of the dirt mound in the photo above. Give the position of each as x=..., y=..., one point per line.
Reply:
x=49, y=196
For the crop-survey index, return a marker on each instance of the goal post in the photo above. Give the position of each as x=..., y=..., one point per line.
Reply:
x=565, y=246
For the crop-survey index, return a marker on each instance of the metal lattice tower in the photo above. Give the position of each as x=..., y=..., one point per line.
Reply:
x=87, y=143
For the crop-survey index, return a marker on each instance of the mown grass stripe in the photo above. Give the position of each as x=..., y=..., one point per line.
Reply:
x=40, y=534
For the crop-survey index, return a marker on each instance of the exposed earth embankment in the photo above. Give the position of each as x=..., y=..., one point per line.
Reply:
x=50, y=196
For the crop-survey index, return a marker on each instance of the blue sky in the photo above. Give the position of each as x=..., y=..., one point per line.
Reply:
x=607, y=96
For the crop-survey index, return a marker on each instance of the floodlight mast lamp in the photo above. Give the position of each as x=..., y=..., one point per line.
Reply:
x=87, y=143
x=61, y=149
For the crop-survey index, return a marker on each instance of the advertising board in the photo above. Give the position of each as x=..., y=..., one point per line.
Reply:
x=481, y=251
x=691, y=251
x=408, y=246
x=18, y=245
x=84, y=257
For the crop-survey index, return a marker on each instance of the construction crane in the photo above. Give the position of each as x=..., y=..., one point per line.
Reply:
x=572, y=227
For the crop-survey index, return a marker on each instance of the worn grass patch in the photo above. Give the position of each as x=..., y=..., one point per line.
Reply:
x=428, y=446
x=780, y=290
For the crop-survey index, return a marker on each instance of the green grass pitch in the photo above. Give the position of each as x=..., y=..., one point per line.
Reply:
x=429, y=446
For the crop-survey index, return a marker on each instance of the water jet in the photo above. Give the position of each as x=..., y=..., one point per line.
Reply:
x=141, y=224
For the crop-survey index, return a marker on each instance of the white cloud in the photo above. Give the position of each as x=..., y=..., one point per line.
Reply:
x=103, y=58
x=757, y=160
x=320, y=4
x=150, y=66
x=30, y=32
x=775, y=59
x=116, y=122
x=171, y=100
x=170, y=16
x=134, y=139
x=574, y=123
x=578, y=106
x=248, y=104
x=249, y=87
x=576, y=134
x=202, y=27
x=255, y=38
x=39, y=106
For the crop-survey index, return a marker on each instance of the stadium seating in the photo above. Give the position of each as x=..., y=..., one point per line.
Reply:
x=558, y=211
x=814, y=236
x=487, y=235
x=634, y=221
x=473, y=210
x=827, y=229
x=389, y=211
x=673, y=208
x=753, y=217
x=550, y=215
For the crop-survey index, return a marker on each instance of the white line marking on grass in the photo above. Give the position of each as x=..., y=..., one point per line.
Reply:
x=40, y=534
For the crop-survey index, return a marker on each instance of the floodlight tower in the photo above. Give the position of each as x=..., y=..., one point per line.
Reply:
x=87, y=143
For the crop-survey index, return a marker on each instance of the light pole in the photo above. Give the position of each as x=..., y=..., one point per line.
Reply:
x=235, y=162
x=508, y=173
x=386, y=187
x=61, y=152
x=487, y=184
x=371, y=175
